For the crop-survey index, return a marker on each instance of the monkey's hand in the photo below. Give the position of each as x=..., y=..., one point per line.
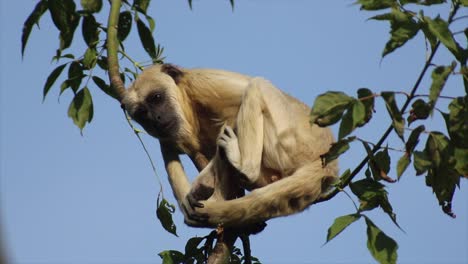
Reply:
x=191, y=216
x=228, y=142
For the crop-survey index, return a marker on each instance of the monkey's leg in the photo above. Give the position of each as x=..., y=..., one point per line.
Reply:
x=287, y=196
x=244, y=152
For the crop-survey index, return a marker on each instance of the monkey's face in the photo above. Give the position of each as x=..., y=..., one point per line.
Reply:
x=151, y=101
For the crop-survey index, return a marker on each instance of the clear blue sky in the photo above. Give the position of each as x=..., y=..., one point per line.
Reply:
x=67, y=198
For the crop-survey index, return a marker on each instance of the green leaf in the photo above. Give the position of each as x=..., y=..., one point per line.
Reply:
x=344, y=178
x=402, y=28
x=164, y=213
x=457, y=122
x=172, y=257
x=32, y=19
x=104, y=87
x=51, y=79
x=65, y=19
x=146, y=39
x=125, y=25
x=430, y=37
x=403, y=163
x=371, y=5
x=102, y=62
x=91, y=6
x=379, y=163
x=438, y=148
x=367, y=98
x=461, y=157
x=340, y=224
x=397, y=120
x=367, y=189
x=413, y=139
x=90, y=31
x=75, y=75
x=439, y=78
x=355, y=116
x=464, y=2
x=440, y=28
x=421, y=162
x=191, y=248
x=90, y=58
x=141, y=5
x=382, y=247
x=336, y=150
x=81, y=108
x=420, y=110
x=371, y=194
x=329, y=107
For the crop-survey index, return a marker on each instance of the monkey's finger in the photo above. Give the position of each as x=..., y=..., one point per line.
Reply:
x=194, y=202
x=230, y=132
x=222, y=143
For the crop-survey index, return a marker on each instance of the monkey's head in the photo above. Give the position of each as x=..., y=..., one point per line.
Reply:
x=153, y=101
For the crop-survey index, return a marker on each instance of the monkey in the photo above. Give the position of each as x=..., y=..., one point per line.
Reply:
x=241, y=132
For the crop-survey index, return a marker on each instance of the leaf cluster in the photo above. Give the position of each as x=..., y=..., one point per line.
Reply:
x=443, y=159
x=82, y=64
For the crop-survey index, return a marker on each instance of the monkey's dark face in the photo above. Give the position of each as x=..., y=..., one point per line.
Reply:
x=157, y=115
x=151, y=101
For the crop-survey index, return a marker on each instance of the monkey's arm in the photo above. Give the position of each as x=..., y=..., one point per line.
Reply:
x=177, y=177
x=287, y=196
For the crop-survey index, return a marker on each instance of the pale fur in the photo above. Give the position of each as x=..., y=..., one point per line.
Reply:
x=276, y=148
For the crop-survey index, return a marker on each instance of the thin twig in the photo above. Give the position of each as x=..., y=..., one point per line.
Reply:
x=137, y=133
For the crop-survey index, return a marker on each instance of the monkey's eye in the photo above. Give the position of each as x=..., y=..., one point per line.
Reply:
x=155, y=98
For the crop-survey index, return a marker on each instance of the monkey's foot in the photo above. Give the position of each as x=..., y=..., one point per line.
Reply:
x=228, y=141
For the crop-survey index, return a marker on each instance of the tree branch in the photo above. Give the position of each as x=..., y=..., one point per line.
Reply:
x=112, y=50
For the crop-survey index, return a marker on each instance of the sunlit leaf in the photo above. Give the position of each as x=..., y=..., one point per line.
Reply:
x=403, y=163
x=90, y=58
x=51, y=79
x=164, y=213
x=340, y=224
x=81, y=108
x=413, y=139
x=440, y=28
x=371, y=5
x=92, y=6
x=421, y=162
x=329, y=107
x=382, y=247
x=439, y=78
x=397, y=120
x=172, y=257
x=32, y=19
x=403, y=28
x=354, y=116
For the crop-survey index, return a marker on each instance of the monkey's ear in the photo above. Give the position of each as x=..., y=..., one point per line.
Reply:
x=172, y=71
